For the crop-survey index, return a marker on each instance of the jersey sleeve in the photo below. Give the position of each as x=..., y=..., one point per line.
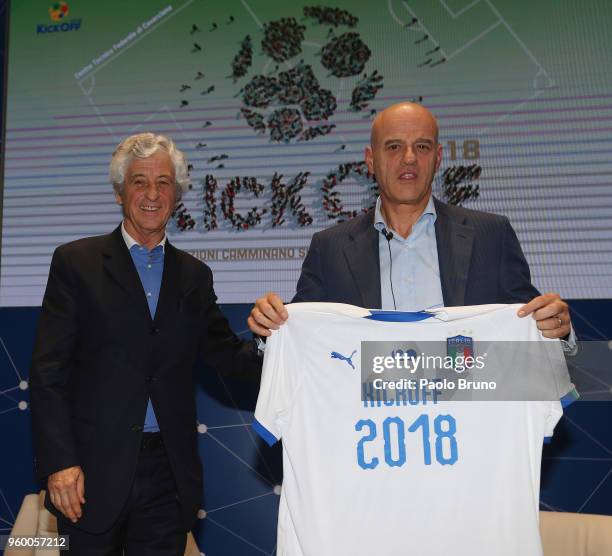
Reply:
x=278, y=387
x=566, y=393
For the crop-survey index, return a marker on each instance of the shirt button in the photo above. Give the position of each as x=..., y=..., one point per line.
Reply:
x=148, y=266
x=149, y=294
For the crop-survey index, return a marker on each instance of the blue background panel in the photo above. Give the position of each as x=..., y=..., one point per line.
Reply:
x=242, y=474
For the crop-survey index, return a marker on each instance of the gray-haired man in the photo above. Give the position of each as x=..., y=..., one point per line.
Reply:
x=124, y=317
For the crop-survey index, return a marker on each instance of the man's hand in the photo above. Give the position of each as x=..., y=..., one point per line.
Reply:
x=551, y=313
x=67, y=491
x=267, y=314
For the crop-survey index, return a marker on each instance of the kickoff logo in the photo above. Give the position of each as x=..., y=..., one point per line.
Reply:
x=58, y=12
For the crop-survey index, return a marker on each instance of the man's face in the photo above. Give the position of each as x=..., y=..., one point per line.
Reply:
x=149, y=195
x=404, y=154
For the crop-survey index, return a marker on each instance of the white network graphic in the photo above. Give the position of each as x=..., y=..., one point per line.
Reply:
x=10, y=373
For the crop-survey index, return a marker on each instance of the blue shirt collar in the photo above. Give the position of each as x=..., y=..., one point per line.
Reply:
x=379, y=220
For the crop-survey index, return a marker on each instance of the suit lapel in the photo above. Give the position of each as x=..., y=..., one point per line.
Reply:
x=119, y=265
x=361, y=254
x=454, y=238
x=170, y=285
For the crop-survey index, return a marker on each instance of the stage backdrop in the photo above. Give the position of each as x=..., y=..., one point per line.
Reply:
x=272, y=103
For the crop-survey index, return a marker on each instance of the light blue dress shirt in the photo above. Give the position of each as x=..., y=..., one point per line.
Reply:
x=414, y=262
x=150, y=267
x=416, y=270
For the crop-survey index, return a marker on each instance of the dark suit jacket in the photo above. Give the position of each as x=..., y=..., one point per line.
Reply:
x=479, y=256
x=99, y=357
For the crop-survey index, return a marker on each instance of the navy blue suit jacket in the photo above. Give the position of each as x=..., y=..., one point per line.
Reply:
x=480, y=260
x=99, y=357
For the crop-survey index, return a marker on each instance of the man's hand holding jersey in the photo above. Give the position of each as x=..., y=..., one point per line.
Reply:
x=267, y=314
x=551, y=314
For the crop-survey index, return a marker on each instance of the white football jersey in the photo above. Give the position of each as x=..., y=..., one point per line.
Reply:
x=420, y=477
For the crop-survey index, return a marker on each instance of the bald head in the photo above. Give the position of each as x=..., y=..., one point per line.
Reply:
x=404, y=155
x=407, y=114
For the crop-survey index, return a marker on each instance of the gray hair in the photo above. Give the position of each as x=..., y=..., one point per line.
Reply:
x=144, y=145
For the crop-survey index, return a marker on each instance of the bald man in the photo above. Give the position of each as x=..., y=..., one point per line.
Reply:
x=413, y=252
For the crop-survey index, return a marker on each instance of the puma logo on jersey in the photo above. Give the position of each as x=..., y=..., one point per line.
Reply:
x=349, y=359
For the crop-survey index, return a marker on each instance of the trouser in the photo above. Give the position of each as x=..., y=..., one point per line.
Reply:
x=150, y=523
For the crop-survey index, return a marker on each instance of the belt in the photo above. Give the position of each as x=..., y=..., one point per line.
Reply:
x=151, y=441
